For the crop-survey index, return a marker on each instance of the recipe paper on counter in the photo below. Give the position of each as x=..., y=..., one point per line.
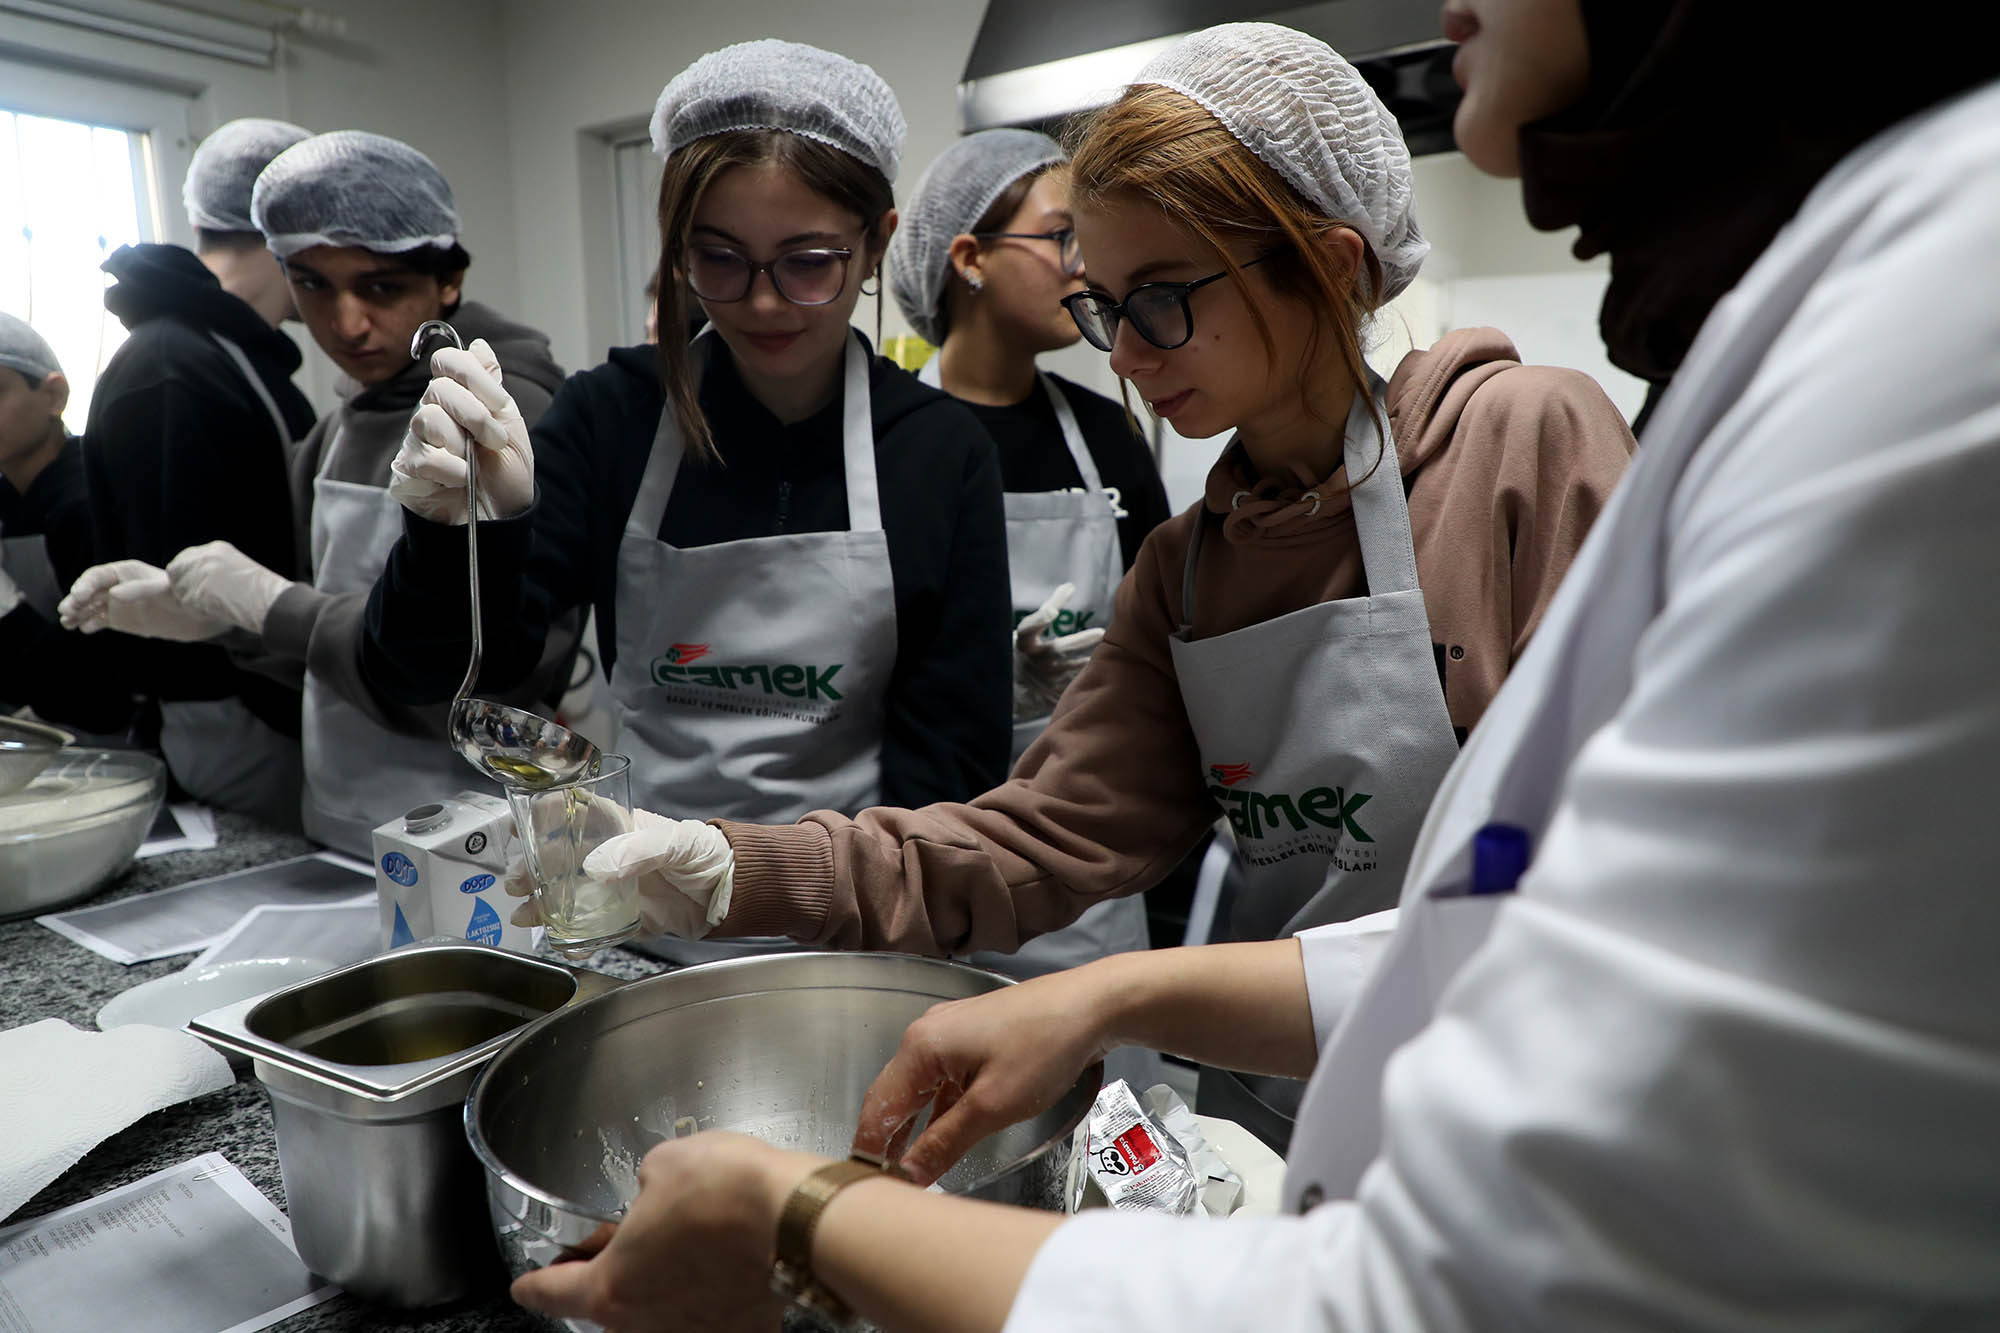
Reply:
x=179, y=827
x=193, y=916
x=191, y=1249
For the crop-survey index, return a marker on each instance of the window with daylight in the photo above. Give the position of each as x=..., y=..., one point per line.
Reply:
x=70, y=194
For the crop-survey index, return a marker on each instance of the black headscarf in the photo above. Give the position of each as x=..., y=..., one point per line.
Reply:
x=1705, y=125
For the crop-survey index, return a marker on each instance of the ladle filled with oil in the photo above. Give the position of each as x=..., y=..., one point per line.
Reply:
x=511, y=745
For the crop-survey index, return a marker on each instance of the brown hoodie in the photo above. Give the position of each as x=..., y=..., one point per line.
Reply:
x=1506, y=467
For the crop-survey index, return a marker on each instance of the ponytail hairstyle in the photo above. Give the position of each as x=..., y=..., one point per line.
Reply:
x=1163, y=148
x=846, y=180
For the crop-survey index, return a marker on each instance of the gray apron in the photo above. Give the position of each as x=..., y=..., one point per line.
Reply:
x=219, y=751
x=1053, y=538
x=751, y=675
x=360, y=773
x=26, y=560
x=1323, y=735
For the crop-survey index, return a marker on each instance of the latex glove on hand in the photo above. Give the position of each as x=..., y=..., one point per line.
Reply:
x=685, y=870
x=559, y=834
x=220, y=582
x=133, y=597
x=1044, y=667
x=463, y=407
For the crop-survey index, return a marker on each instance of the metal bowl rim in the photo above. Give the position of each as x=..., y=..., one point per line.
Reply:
x=498, y=1172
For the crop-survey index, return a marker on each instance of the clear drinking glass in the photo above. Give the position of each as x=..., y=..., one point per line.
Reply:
x=561, y=824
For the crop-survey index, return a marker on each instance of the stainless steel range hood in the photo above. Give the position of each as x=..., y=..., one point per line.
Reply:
x=1036, y=62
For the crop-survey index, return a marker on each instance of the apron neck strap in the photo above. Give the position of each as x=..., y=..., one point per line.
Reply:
x=257, y=386
x=1202, y=519
x=864, y=498
x=663, y=464
x=932, y=374
x=1381, y=510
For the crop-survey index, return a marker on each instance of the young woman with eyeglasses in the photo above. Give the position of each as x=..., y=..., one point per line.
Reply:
x=1304, y=649
x=795, y=551
x=984, y=255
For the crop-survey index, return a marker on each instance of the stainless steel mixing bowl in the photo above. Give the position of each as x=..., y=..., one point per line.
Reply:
x=782, y=1047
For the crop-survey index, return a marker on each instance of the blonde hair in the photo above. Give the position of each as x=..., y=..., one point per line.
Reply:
x=1163, y=148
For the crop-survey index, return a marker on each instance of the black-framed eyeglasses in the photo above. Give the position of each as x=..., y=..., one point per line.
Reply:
x=1159, y=311
x=803, y=277
x=1068, y=254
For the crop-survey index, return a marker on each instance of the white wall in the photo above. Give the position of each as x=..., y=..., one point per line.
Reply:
x=574, y=70
x=425, y=73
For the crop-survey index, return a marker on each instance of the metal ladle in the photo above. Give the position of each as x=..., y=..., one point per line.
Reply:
x=512, y=746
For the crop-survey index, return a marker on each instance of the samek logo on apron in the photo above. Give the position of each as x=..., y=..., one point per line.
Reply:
x=712, y=684
x=1320, y=820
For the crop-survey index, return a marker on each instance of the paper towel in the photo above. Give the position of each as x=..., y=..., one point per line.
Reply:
x=64, y=1091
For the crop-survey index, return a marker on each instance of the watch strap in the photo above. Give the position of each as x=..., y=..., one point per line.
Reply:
x=791, y=1273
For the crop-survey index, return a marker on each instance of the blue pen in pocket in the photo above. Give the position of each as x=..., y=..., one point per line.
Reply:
x=1500, y=855
x=1499, y=858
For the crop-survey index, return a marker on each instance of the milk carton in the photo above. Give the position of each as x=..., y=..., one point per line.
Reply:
x=438, y=872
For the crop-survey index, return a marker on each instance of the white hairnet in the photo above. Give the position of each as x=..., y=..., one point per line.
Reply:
x=1310, y=116
x=774, y=85
x=225, y=167
x=26, y=351
x=951, y=196
x=352, y=188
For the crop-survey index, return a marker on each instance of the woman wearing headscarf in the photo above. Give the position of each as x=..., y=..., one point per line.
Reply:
x=1721, y=1053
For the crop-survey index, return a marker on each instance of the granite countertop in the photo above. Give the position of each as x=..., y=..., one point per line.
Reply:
x=44, y=975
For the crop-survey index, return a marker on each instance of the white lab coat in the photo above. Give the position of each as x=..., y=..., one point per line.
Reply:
x=1731, y=1057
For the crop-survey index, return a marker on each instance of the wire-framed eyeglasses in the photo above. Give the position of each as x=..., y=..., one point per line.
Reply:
x=1069, y=256
x=803, y=277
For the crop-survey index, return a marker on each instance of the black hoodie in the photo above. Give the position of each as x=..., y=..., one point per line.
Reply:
x=180, y=450
x=75, y=679
x=950, y=698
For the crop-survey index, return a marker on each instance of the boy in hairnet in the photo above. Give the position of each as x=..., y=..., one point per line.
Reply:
x=366, y=232
x=188, y=439
x=44, y=542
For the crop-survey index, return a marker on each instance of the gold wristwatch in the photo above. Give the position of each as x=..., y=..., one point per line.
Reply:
x=791, y=1273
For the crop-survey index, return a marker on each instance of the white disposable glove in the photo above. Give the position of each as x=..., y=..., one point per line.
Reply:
x=220, y=582
x=685, y=870
x=1044, y=667
x=464, y=405
x=10, y=593
x=133, y=597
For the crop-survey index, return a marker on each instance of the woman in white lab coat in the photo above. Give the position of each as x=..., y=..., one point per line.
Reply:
x=1727, y=1058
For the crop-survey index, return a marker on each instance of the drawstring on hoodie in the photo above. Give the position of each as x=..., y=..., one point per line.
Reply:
x=1236, y=501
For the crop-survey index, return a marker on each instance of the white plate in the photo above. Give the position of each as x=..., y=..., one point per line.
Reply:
x=170, y=1001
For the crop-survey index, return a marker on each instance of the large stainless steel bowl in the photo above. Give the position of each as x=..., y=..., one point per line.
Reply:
x=782, y=1047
